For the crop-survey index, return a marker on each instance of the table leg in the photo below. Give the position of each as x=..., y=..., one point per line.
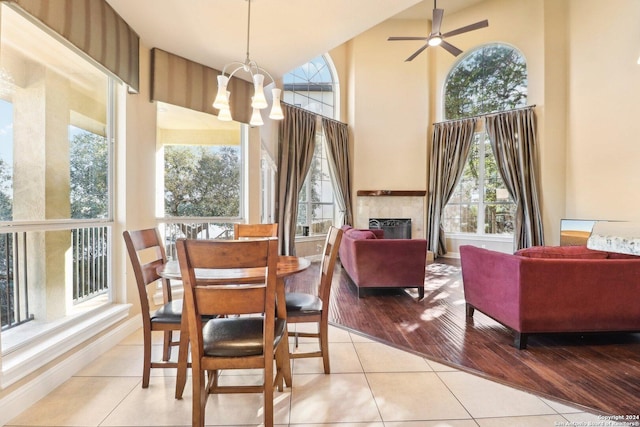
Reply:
x=281, y=310
x=183, y=357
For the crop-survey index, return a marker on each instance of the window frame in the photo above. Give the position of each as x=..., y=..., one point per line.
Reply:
x=31, y=345
x=481, y=139
x=166, y=223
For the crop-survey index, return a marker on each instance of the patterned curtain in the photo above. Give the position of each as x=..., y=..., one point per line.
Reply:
x=337, y=135
x=449, y=152
x=297, y=140
x=513, y=140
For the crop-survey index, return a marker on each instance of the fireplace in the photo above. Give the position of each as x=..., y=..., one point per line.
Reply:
x=393, y=205
x=394, y=228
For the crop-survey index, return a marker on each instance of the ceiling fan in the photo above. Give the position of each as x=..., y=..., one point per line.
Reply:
x=436, y=38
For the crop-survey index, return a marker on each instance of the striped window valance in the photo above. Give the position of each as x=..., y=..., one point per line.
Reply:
x=96, y=29
x=179, y=81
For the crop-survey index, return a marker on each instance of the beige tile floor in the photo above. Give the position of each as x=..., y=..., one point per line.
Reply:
x=371, y=385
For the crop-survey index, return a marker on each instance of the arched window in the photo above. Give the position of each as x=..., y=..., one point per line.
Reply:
x=313, y=86
x=490, y=79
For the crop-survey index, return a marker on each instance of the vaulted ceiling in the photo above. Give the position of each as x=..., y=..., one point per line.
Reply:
x=284, y=34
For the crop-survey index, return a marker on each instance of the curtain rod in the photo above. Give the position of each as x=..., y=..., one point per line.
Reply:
x=477, y=116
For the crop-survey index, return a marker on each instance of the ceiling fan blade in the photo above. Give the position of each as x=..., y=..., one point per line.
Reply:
x=417, y=52
x=436, y=23
x=467, y=28
x=450, y=48
x=391, y=39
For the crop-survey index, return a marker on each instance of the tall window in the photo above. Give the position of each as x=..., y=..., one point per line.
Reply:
x=202, y=174
x=490, y=79
x=56, y=145
x=313, y=87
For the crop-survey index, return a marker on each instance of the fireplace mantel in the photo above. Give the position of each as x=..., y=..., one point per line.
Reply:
x=400, y=193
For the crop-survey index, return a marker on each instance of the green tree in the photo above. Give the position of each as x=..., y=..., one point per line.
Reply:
x=202, y=181
x=89, y=174
x=317, y=177
x=490, y=79
x=6, y=253
x=6, y=185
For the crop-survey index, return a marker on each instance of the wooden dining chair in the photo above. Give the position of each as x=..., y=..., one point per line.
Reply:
x=247, y=335
x=254, y=230
x=147, y=254
x=314, y=308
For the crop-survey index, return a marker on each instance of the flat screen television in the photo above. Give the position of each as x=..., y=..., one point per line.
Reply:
x=575, y=232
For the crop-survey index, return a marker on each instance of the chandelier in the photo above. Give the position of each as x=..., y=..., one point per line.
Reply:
x=258, y=100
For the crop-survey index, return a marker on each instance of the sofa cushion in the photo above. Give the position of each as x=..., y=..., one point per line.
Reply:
x=360, y=234
x=572, y=252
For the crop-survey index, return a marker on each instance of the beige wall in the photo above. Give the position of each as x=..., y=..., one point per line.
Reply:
x=388, y=109
x=583, y=78
x=603, y=149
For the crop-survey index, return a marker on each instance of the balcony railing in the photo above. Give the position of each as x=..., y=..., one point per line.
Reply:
x=14, y=298
x=89, y=270
x=90, y=247
x=174, y=229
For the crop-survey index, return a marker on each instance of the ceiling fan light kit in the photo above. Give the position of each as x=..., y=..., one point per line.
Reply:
x=436, y=38
x=435, y=41
x=258, y=100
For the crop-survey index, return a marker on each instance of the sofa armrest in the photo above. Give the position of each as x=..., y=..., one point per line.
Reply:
x=491, y=282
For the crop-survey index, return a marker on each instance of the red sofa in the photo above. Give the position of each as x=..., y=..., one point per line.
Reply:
x=375, y=262
x=553, y=289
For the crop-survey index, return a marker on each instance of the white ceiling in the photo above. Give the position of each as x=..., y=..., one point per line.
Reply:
x=284, y=33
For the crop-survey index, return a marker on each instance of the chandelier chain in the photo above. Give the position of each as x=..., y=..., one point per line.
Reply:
x=258, y=100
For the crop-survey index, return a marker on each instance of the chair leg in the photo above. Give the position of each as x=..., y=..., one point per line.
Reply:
x=324, y=345
x=200, y=396
x=268, y=393
x=281, y=357
x=166, y=347
x=146, y=364
x=212, y=381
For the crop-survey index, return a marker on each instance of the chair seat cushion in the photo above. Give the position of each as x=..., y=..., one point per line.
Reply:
x=237, y=336
x=168, y=313
x=301, y=303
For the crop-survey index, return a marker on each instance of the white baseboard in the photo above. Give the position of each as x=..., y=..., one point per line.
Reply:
x=19, y=400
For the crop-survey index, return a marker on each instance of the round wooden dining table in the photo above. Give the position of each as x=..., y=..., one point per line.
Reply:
x=287, y=266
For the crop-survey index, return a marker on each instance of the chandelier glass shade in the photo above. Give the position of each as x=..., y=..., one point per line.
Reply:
x=258, y=100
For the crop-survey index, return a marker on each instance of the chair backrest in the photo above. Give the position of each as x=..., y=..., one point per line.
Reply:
x=328, y=262
x=236, y=298
x=255, y=230
x=146, y=254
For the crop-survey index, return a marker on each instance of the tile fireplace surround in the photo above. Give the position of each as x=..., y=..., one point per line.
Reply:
x=391, y=204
